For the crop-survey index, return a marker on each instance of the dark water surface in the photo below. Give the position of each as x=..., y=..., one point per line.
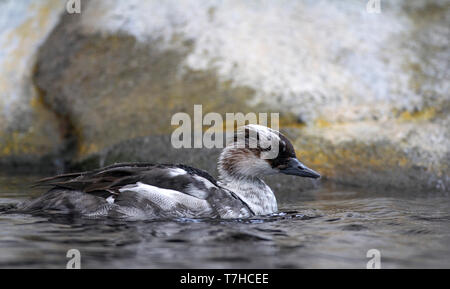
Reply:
x=325, y=228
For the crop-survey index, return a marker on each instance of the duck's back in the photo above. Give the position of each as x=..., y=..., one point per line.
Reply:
x=138, y=190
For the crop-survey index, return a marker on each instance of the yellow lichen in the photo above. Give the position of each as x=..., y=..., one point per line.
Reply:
x=425, y=114
x=334, y=159
x=321, y=123
x=86, y=149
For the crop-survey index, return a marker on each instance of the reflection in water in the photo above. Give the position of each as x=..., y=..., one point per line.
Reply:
x=328, y=227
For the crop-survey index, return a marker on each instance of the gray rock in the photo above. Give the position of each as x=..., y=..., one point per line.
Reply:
x=364, y=96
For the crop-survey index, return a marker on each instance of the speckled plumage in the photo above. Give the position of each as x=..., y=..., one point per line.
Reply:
x=138, y=190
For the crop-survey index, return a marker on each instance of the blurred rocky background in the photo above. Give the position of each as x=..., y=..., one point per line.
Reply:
x=364, y=96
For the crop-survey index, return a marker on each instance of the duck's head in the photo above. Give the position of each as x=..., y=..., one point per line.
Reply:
x=257, y=150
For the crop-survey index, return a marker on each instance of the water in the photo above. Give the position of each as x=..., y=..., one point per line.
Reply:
x=329, y=227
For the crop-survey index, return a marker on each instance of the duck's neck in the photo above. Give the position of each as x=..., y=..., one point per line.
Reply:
x=252, y=190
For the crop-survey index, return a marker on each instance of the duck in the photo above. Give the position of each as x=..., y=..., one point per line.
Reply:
x=152, y=191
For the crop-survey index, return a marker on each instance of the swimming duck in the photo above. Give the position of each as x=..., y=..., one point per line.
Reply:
x=148, y=191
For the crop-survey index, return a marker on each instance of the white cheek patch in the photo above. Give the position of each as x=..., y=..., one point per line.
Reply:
x=166, y=199
x=176, y=172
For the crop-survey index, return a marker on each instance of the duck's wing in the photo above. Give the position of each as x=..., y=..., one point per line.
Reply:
x=113, y=179
x=160, y=189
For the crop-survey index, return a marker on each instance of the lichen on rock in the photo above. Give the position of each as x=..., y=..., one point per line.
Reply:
x=28, y=131
x=364, y=96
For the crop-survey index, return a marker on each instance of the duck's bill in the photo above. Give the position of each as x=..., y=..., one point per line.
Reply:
x=296, y=168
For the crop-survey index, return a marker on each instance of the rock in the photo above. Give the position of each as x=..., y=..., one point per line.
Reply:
x=408, y=155
x=29, y=132
x=326, y=60
x=113, y=87
x=364, y=96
